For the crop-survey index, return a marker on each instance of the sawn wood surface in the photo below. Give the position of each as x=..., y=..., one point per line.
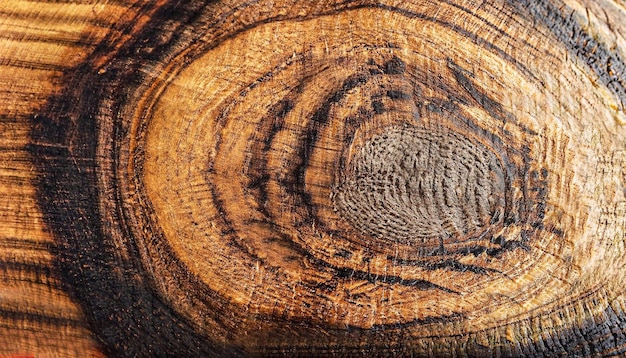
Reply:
x=346, y=178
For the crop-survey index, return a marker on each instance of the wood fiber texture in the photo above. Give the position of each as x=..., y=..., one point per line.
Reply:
x=345, y=178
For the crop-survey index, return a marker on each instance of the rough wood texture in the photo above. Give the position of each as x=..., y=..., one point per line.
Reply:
x=428, y=178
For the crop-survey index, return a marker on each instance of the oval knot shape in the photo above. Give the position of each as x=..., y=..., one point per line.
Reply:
x=414, y=184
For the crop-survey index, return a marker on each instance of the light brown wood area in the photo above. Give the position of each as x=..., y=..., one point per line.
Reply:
x=358, y=178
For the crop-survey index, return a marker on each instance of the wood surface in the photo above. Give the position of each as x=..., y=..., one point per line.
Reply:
x=347, y=178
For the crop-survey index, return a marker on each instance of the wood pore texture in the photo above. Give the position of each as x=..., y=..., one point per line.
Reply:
x=325, y=178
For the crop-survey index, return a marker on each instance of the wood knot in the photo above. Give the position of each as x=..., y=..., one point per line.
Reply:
x=335, y=178
x=415, y=184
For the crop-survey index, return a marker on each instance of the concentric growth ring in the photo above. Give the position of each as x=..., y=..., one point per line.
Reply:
x=349, y=178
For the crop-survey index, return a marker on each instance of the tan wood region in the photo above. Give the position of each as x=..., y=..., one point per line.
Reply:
x=346, y=178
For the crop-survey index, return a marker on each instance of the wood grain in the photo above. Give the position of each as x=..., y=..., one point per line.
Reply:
x=39, y=42
x=428, y=178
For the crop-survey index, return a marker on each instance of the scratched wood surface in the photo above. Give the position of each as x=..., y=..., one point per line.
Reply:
x=428, y=178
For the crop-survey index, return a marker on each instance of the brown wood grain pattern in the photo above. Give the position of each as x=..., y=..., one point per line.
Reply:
x=428, y=178
x=39, y=42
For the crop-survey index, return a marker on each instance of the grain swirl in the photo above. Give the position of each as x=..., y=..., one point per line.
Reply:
x=338, y=178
